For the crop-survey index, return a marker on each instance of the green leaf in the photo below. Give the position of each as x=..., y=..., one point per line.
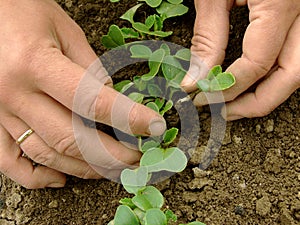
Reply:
x=140, y=51
x=154, y=90
x=148, y=198
x=134, y=180
x=114, y=38
x=166, y=47
x=129, y=14
x=222, y=82
x=129, y=33
x=128, y=202
x=183, y=54
x=155, y=61
x=170, y=159
x=140, y=27
x=140, y=84
x=139, y=213
x=148, y=145
x=125, y=216
x=155, y=217
x=123, y=85
x=167, y=10
x=204, y=85
x=213, y=72
x=150, y=20
x=194, y=223
x=152, y=106
x=158, y=24
x=114, y=0
x=176, y=2
x=170, y=135
x=159, y=102
x=167, y=107
x=153, y=3
x=170, y=215
x=160, y=33
x=136, y=97
x=171, y=67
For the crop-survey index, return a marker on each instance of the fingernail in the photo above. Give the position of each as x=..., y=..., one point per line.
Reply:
x=55, y=185
x=233, y=117
x=228, y=116
x=157, y=127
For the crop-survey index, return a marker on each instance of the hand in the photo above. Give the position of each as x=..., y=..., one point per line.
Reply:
x=270, y=59
x=43, y=57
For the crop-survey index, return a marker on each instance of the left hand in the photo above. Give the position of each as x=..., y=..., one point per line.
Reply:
x=270, y=59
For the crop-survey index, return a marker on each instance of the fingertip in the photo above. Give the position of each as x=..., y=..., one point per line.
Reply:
x=157, y=126
x=188, y=84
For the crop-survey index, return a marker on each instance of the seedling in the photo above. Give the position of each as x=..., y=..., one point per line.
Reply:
x=146, y=207
x=152, y=26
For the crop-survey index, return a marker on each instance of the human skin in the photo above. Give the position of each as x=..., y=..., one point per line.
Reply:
x=43, y=56
x=269, y=63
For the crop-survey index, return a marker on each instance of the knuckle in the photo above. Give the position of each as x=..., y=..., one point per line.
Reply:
x=89, y=173
x=45, y=157
x=100, y=108
x=66, y=144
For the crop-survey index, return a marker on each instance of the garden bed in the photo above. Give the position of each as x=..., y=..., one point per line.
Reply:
x=253, y=180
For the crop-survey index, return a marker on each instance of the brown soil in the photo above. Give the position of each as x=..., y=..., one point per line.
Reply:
x=254, y=179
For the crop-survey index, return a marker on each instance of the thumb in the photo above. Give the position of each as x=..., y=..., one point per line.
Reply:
x=210, y=39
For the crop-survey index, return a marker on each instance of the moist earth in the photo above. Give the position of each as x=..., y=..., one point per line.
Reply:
x=254, y=179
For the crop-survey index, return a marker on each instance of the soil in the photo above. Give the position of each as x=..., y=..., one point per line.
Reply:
x=253, y=180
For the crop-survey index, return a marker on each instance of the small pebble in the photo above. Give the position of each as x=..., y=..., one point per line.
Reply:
x=239, y=210
x=270, y=126
x=53, y=204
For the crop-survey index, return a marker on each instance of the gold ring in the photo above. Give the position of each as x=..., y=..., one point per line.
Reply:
x=25, y=135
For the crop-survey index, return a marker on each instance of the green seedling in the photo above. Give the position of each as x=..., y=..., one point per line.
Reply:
x=146, y=206
x=152, y=26
x=216, y=80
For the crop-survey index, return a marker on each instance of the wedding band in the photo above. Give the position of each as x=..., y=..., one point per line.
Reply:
x=25, y=135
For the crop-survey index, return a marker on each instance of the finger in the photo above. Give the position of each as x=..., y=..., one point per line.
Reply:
x=268, y=19
x=260, y=48
x=74, y=45
x=87, y=96
x=21, y=170
x=210, y=39
x=68, y=136
x=276, y=88
x=41, y=153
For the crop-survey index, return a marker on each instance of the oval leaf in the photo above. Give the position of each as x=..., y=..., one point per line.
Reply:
x=167, y=10
x=140, y=51
x=213, y=72
x=136, y=97
x=133, y=180
x=123, y=86
x=222, y=82
x=171, y=159
x=153, y=3
x=128, y=15
x=125, y=216
x=155, y=217
x=148, y=198
x=155, y=61
x=175, y=1
x=152, y=106
x=183, y=54
x=170, y=135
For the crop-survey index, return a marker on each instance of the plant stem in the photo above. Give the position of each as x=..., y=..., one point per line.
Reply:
x=140, y=143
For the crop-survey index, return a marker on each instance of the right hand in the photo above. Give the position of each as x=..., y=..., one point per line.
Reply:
x=43, y=57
